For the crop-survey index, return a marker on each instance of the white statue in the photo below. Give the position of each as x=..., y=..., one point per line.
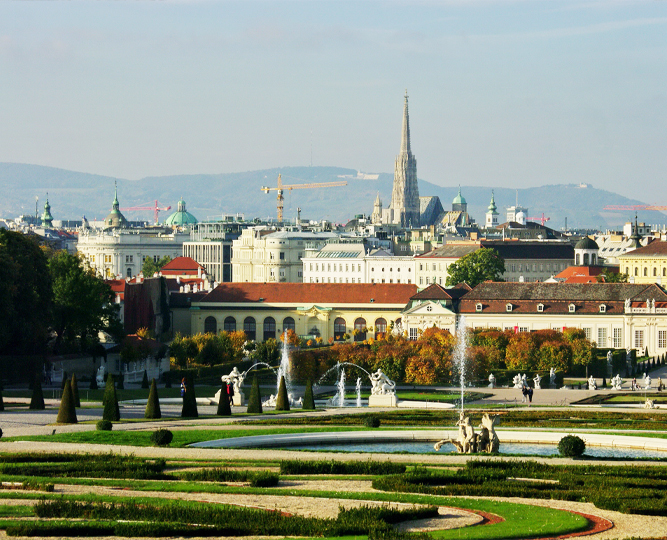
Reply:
x=518, y=381
x=648, y=304
x=609, y=357
x=649, y=404
x=235, y=378
x=488, y=439
x=101, y=372
x=616, y=382
x=647, y=382
x=492, y=381
x=468, y=441
x=627, y=304
x=524, y=380
x=381, y=384
x=591, y=383
x=552, y=377
x=537, y=380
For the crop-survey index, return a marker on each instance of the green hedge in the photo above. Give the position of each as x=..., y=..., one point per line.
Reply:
x=340, y=467
x=256, y=478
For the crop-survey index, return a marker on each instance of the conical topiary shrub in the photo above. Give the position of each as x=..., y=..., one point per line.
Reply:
x=93, y=381
x=255, y=399
x=37, y=399
x=110, y=401
x=282, y=401
x=189, y=409
x=67, y=411
x=2, y=403
x=224, y=408
x=308, y=397
x=120, y=385
x=144, y=381
x=75, y=391
x=65, y=379
x=153, y=404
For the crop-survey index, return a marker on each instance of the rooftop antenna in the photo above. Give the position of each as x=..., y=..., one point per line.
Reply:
x=311, y=147
x=36, y=209
x=517, y=198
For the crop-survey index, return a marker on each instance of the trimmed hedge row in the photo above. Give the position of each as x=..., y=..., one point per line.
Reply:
x=256, y=478
x=340, y=467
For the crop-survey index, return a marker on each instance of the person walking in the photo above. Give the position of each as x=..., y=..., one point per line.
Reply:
x=183, y=387
x=230, y=392
x=530, y=396
x=524, y=394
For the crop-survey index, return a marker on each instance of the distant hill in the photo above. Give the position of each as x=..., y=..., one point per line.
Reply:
x=208, y=196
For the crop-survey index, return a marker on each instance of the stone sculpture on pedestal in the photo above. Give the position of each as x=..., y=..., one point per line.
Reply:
x=383, y=390
x=469, y=442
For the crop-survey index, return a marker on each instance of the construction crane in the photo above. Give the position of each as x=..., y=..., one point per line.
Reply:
x=289, y=187
x=542, y=219
x=635, y=207
x=156, y=209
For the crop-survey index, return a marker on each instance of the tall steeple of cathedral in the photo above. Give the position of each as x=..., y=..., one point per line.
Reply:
x=404, y=207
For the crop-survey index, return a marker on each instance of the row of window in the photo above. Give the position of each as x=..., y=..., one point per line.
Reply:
x=571, y=308
x=636, y=271
x=336, y=280
x=269, y=327
x=336, y=267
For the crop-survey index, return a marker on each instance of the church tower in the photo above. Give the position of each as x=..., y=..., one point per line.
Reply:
x=376, y=216
x=404, y=207
x=492, y=214
x=47, y=218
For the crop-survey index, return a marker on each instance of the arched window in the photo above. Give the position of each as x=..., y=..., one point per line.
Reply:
x=585, y=259
x=340, y=327
x=249, y=328
x=229, y=324
x=380, y=327
x=129, y=272
x=210, y=325
x=288, y=324
x=360, y=329
x=576, y=259
x=636, y=271
x=645, y=271
x=655, y=272
x=269, y=328
x=664, y=272
x=593, y=259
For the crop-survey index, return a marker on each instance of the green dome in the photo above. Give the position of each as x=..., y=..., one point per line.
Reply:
x=115, y=219
x=459, y=199
x=492, y=205
x=586, y=243
x=181, y=217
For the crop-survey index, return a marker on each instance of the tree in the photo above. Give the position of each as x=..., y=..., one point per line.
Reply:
x=308, y=397
x=110, y=401
x=150, y=267
x=153, y=403
x=144, y=381
x=83, y=304
x=476, y=267
x=67, y=410
x=75, y=391
x=189, y=409
x=282, y=399
x=255, y=398
x=2, y=403
x=609, y=276
x=25, y=295
x=37, y=399
x=266, y=351
x=224, y=408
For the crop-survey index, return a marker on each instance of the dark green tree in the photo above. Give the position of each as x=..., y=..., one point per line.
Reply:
x=67, y=410
x=121, y=381
x=266, y=351
x=150, y=267
x=609, y=276
x=37, y=399
x=110, y=401
x=189, y=409
x=153, y=404
x=144, y=381
x=2, y=403
x=308, y=397
x=255, y=398
x=25, y=295
x=83, y=304
x=64, y=381
x=224, y=408
x=476, y=267
x=93, y=380
x=282, y=400
x=75, y=391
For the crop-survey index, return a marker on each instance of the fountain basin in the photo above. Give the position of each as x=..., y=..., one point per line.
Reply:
x=392, y=436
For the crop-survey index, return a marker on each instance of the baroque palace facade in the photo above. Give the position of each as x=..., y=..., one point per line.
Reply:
x=613, y=315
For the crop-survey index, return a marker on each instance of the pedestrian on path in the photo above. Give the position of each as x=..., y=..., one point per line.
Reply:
x=524, y=394
x=530, y=396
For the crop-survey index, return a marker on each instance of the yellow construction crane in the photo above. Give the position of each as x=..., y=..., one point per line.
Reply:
x=289, y=187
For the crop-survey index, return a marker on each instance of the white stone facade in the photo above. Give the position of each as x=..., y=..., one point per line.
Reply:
x=121, y=253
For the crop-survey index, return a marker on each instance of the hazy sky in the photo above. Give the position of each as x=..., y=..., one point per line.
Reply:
x=502, y=93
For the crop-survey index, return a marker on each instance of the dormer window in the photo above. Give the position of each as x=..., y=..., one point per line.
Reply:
x=571, y=308
x=508, y=307
x=540, y=308
x=478, y=307
x=603, y=308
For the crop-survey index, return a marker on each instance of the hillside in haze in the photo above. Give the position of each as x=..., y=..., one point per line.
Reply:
x=208, y=196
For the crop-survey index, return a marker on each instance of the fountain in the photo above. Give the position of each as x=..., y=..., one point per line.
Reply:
x=358, y=391
x=382, y=388
x=341, y=389
x=460, y=349
x=470, y=442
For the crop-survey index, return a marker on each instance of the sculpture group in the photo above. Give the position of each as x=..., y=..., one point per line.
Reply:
x=469, y=442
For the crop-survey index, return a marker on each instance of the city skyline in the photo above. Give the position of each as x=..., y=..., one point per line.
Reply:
x=510, y=94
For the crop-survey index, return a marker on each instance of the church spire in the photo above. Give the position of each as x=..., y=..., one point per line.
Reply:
x=405, y=134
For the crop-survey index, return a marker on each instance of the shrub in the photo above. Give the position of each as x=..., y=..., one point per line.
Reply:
x=93, y=381
x=153, y=403
x=162, y=437
x=571, y=446
x=255, y=399
x=37, y=399
x=110, y=400
x=340, y=467
x=308, y=397
x=67, y=411
x=65, y=378
x=189, y=409
x=103, y=425
x=121, y=381
x=224, y=407
x=144, y=381
x=371, y=421
x=75, y=391
x=282, y=400
x=2, y=403
x=0, y=433
x=264, y=479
